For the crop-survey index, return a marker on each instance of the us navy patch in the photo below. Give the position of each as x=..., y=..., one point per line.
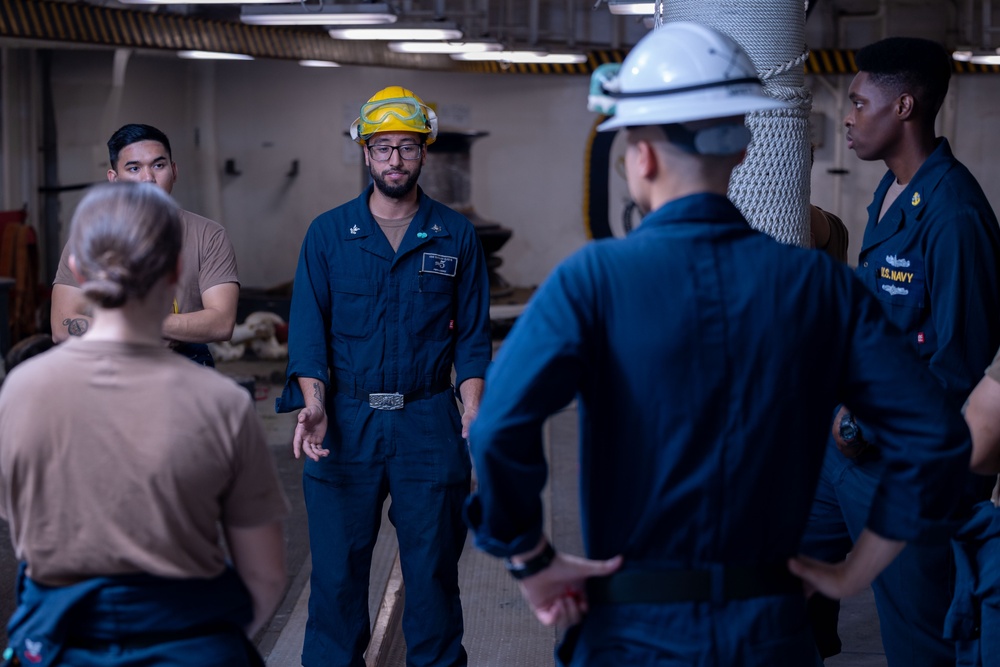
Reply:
x=440, y=264
x=901, y=280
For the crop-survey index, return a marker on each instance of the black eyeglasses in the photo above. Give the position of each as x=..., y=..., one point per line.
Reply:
x=383, y=152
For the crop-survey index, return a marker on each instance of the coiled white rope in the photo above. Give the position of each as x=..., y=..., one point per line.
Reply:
x=771, y=188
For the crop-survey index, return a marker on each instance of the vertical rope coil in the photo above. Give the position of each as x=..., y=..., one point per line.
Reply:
x=772, y=186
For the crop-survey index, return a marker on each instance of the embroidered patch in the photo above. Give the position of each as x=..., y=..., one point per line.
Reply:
x=32, y=651
x=901, y=280
x=893, y=290
x=920, y=337
x=440, y=264
x=916, y=198
x=897, y=263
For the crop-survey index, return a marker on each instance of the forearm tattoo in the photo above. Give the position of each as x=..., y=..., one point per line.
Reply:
x=76, y=327
x=318, y=392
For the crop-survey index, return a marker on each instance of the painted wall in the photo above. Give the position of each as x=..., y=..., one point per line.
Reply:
x=527, y=174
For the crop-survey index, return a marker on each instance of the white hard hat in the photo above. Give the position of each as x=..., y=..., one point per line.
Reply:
x=679, y=72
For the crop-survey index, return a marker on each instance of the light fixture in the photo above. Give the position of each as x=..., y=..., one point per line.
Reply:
x=991, y=57
x=411, y=32
x=318, y=63
x=524, y=57
x=213, y=55
x=357, y=14
x=444, y=47
x=625, y=8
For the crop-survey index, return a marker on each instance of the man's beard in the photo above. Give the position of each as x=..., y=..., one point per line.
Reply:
x=395, y=191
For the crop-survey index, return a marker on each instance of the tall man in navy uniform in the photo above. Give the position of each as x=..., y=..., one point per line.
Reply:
x=690, y=346
x=390, y=293
x=931, y=255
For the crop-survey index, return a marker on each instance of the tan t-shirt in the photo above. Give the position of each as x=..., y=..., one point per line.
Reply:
x=207, y=260
x=118, y=458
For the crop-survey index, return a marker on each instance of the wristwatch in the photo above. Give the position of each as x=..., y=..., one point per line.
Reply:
x=533, y=565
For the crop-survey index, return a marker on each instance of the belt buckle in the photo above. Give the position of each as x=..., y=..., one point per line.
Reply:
x=393, y=401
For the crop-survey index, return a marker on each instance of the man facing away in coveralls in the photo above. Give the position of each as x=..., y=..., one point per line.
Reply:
x=690, y=347
x=931, y=256
x=390, y=293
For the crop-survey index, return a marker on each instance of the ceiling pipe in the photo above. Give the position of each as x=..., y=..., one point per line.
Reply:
x=988, y=28
x=484, y=7
x=570, y=24
x=534, y=8
x=842, y=18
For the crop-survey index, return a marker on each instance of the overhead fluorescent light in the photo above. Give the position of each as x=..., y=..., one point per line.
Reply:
x=524, y=57
x=980, y=58
x=398, y=33
x=444, y=47
x=318, y=63
x=213, y=55
x=358, y=14
x=632, y=8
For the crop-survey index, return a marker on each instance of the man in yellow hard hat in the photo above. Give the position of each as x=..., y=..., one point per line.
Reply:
x=390, y=294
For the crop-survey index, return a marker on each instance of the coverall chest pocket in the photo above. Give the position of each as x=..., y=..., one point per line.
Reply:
x=900, y=287
x=353, y=306
x=432, y=306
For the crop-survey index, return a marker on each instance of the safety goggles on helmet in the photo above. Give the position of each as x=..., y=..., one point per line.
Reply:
x=403, y=108
x=678, y=73
x=395, y=114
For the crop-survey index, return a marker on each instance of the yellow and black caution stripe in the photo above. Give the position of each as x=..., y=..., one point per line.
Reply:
x=83, y=23
x=831, y=61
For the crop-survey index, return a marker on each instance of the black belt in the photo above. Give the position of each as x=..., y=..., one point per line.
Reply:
x=730, y=583
x=389, y=400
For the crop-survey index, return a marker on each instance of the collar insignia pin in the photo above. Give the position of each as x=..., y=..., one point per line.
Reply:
x=916, y=199
x=354, y=230
x=421, y=235
x=435, y=228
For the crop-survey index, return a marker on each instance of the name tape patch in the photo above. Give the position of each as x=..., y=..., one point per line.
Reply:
x=440, y=264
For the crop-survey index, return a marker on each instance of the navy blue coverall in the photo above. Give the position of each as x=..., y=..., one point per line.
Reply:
x=707, y=359
x=132, y=620
x=933, y=262
x=384, y=322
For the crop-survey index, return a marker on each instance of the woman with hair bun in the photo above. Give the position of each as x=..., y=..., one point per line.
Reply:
x=119, y=463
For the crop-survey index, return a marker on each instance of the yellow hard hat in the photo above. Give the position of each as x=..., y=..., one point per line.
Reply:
x=394, y=109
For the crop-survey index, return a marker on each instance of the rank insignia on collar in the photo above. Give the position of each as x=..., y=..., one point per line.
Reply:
x=354, y=230
x=916, y=199
x=421, y=235
x=436, y=228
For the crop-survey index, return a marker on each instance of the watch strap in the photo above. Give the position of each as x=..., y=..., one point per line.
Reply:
x=533, y=565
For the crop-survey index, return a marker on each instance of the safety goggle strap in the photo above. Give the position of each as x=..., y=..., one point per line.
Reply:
x=685, y=89
x=605, y=88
